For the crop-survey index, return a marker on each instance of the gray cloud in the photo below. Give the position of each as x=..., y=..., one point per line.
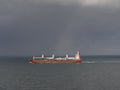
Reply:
x=113, y=3
x=98, y=3
x=35, y=27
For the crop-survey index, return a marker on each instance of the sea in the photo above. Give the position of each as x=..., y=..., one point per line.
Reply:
x=94, y=73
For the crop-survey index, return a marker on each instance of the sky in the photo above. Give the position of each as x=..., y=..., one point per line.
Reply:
x=33, y=27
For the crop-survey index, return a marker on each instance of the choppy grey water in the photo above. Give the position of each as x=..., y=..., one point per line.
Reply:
x=95, y=73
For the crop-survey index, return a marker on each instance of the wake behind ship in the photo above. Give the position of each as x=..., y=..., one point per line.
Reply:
x=53, y=59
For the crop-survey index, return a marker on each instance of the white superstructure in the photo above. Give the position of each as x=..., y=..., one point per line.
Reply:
x=77, y=57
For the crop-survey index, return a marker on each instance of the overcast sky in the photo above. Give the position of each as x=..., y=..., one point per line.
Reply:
x=33, y=27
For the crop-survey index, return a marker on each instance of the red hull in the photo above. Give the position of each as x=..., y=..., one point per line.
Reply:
x=55, y=61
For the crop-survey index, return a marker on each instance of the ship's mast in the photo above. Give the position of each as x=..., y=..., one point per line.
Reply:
x=33, y=57
x=42, y=55
x=66, y=56
x=53, y=56
x=77, y=56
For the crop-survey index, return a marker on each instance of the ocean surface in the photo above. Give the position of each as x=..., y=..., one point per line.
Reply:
x=95, y=73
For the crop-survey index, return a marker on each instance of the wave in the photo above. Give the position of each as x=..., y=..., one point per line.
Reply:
x=101, y=62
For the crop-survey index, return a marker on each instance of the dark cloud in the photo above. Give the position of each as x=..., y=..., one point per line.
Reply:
x=32, y=28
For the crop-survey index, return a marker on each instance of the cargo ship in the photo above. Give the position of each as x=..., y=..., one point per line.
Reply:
x=53, y=59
